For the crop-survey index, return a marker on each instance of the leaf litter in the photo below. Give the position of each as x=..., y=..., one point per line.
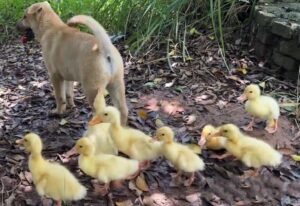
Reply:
x=207, y=95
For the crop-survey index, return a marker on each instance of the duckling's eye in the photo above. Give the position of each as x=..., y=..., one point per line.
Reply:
x=225, y=130
x=80, y=146
x=105, y=114
x=209, y=133
x=162, y=134
x=250, y=92
x=25, y=140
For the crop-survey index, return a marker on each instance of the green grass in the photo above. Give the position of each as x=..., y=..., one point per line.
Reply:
x=145, y=23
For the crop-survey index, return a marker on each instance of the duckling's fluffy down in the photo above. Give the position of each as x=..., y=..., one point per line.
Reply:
x=100, y=136
x=183, y=158
x=58, y=183
x=264, y=107
x=107, y=167
x=256, y=153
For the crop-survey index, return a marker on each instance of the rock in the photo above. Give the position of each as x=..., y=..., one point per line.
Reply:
x=260, y=49
x=282, y=28
x=265, y=37
x=264, y=18
x=290, y=48
x=285, y=62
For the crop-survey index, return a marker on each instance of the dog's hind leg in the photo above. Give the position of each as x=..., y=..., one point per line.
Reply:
x=70, y=93
x=60, y=94
x=116, y=91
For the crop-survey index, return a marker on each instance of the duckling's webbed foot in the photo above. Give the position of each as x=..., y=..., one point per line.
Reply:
x=221, y=157
x=177, y=177
x=272, y=128
x=190, y=181
x=145, y=165
x=102, y=189
x=249, y=127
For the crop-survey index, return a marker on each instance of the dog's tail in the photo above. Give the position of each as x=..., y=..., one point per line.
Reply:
x=104, y=41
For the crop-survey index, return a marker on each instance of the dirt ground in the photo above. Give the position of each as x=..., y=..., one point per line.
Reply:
x=183, y=95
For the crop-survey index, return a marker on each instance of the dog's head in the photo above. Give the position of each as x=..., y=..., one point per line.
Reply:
x=32, y=18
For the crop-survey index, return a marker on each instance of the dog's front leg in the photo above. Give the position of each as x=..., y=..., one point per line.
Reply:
x=70, y=93
x=60, y=94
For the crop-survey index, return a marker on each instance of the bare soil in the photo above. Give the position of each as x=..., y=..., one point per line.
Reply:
x=200, y=88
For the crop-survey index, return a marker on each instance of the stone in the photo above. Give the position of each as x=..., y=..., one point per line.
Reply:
x=265, y=36
x=282, y=28
x=290, y=48
x=267, y=1
x=285, y=62
x=264, y=18
x=291, y=75
x=260, y=49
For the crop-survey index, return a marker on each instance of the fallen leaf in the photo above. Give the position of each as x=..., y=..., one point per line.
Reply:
x=193, y=197
x=196, y=148
x=242, y=70
x=159, y=123
x=124, y=203
x=193, y=31
x=152, y=105
x=171, y=107
x=141, y=183
x=132, y=187
x=262, y=85
x=191, y=119
x=134, y=100
x=170, y=84
x=63, y=122
x=10, y=200
x=221, y=104
x=142, y=114
x=157, y=80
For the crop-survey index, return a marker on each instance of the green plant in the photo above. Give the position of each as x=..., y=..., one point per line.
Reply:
x=144, y=22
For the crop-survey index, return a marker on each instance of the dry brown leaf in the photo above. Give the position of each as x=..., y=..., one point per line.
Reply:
x=124, y=203
x=132, y=187
x=193, y=197
x=171, y=107
x=141, y=183
x=142, y=114
x=152, y=105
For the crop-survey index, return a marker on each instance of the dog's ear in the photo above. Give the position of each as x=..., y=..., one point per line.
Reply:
x=35, y=10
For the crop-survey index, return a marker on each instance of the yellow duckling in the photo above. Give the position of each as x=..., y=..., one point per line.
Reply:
x=98, y=134
x=51, y=179
x=131, y=142
x=260, y=106
x=183, y=158
x=214, y=143
x=251, y=151
x=103, y=167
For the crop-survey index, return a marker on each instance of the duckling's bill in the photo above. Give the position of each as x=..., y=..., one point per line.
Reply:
x=202, y=141
x=20, y=141
x=95, y=120
x=242, y=98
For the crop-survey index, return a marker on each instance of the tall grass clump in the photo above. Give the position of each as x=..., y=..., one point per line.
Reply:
x=143, y=22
